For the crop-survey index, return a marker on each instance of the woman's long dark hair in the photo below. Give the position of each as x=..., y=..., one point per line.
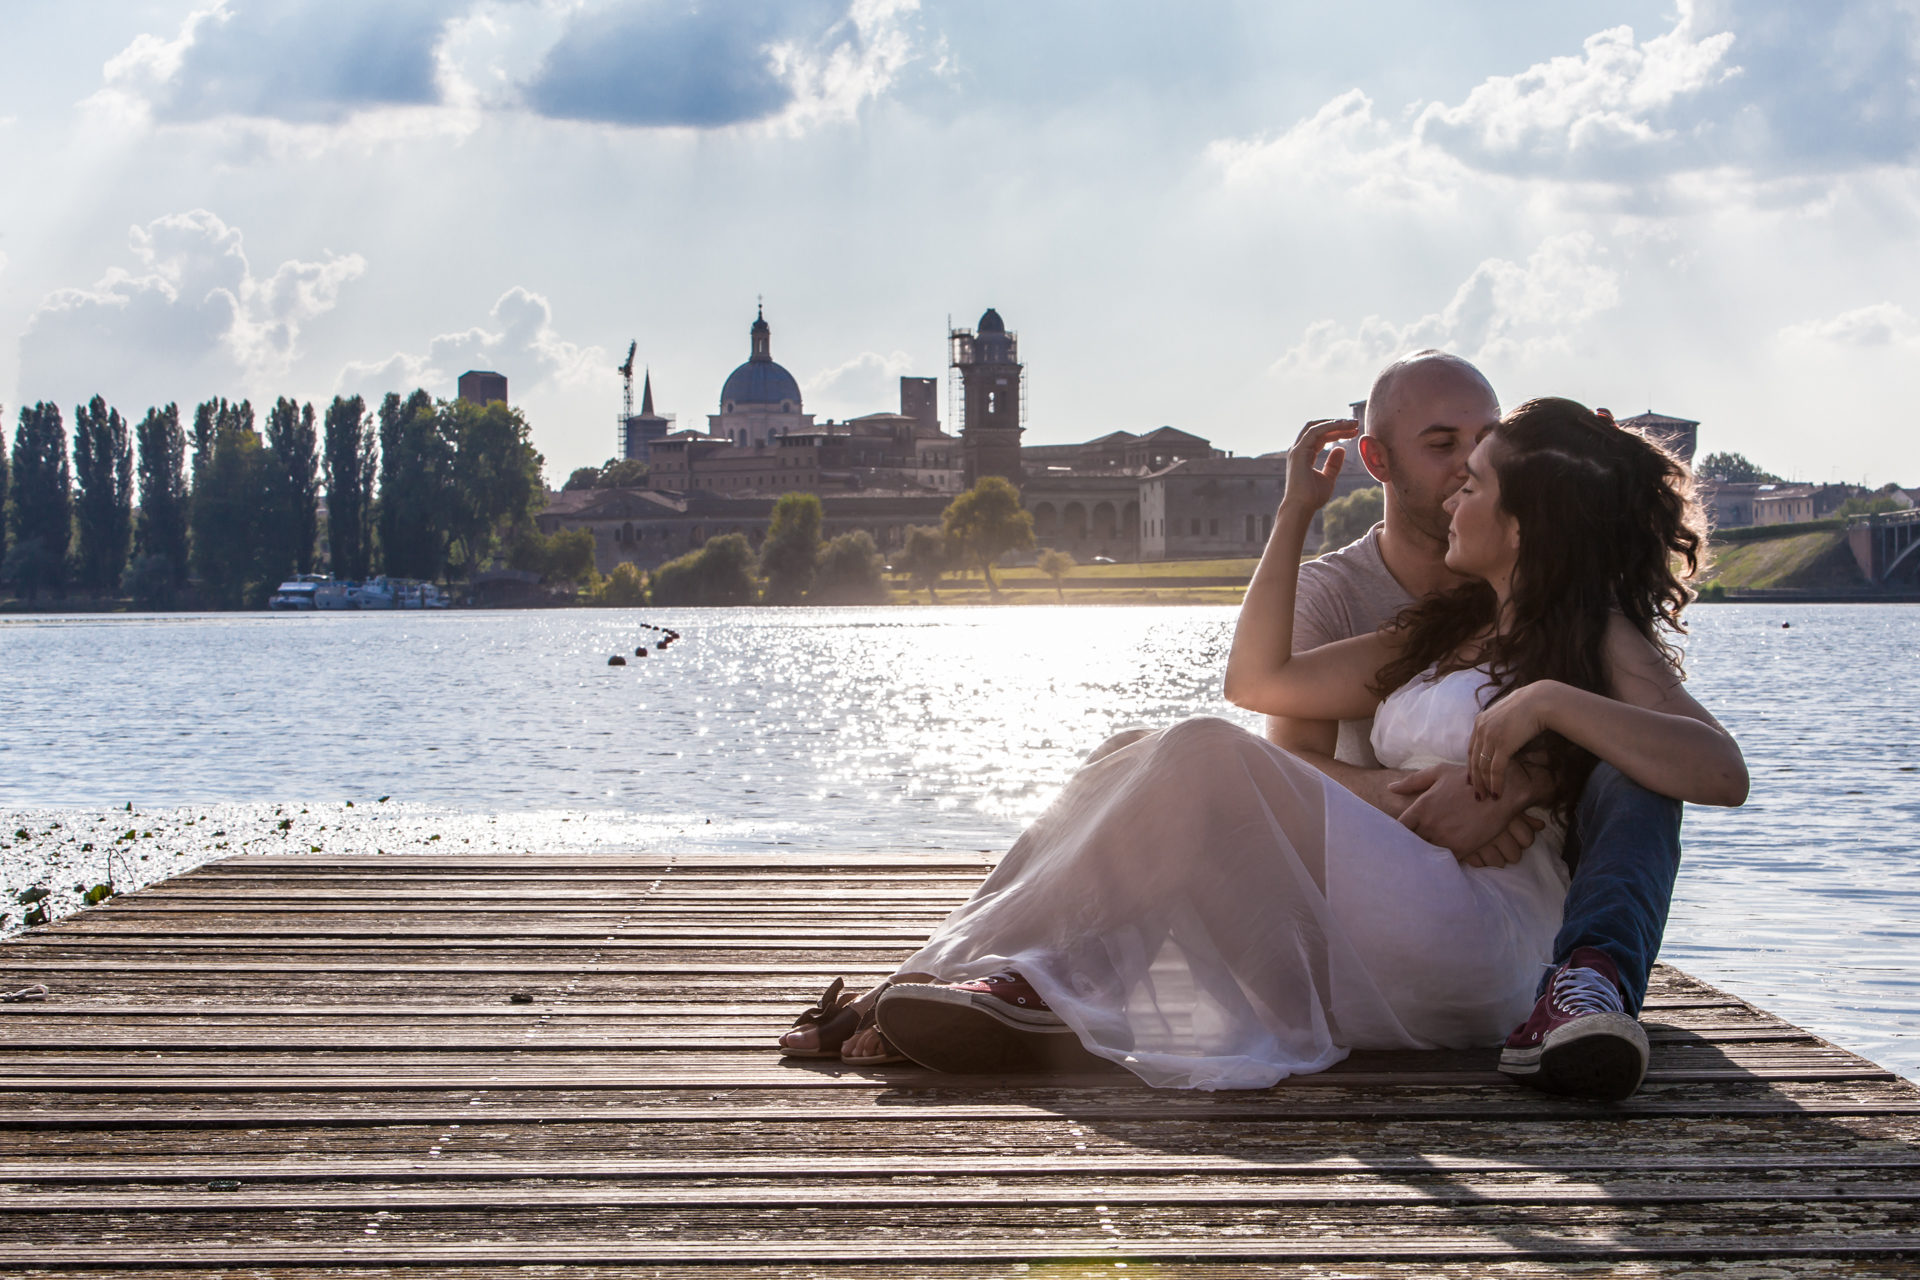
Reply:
x=1604, y=516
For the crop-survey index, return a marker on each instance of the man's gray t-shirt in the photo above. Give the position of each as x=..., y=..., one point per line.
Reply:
x=1347, y=593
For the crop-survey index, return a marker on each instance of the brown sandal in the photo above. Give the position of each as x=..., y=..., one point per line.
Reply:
x=836, y=1021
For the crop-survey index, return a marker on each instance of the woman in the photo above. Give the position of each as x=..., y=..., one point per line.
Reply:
x=1210, y=912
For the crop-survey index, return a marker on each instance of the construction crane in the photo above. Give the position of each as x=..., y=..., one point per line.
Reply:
x=626, y=376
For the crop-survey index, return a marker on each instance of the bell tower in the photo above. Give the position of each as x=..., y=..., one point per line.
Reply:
x=992, y=399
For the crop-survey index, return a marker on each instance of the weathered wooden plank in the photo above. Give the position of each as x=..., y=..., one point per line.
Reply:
x=1641, y=1268
x=1073, y=1187
x=1482, y=1246
x=1605, y=1130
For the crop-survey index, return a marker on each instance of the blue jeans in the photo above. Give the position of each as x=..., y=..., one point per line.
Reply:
x=1626, y=842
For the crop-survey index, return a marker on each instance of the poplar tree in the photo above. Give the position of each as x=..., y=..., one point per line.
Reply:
x=291, y=490
x=226, y=519
x=350, y=470
x=415, y=466
x=161, y=529
x=6, y=484
x=103, y=466
x=42, y=512
x=206, y=417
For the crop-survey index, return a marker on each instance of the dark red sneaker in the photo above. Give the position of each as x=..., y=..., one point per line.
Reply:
x=992, y=1024
x=1580, y=1041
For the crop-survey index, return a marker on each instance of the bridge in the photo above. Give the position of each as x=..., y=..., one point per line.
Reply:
x=1886, y=546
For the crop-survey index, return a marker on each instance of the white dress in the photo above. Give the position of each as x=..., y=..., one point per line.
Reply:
x=1213, y=913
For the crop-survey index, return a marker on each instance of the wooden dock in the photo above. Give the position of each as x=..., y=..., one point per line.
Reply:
x=468, y=1066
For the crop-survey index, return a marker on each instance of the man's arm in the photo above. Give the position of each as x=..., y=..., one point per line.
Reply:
x=1314, y=742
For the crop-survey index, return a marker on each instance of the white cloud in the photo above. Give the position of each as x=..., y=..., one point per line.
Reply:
x=193, y=302
x=1596, y=115
x=522, y=344
x=1502, y=309
x=1883, y=324
x=280, y=77
x=868, y=383
x=1344, y=146
x=1752, y=98
x=831, y=78
x=785, y=66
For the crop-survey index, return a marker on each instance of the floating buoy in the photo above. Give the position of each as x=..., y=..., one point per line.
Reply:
x=1785, y=625
x=641, y=652
x=616, y=661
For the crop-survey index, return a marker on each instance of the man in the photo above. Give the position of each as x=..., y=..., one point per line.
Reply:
x=1424, y=414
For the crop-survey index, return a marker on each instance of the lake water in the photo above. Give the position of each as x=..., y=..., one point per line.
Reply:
x=924, y=728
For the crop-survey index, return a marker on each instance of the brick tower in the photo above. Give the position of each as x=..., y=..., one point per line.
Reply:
x=992, y=405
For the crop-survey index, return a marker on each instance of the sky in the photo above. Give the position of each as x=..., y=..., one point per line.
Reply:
x=1219, y=216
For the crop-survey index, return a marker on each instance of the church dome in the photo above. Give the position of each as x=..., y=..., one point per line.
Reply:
x=992, y=323
x=760, y=381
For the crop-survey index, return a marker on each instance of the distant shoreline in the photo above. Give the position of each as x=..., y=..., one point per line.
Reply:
x=1166, y=593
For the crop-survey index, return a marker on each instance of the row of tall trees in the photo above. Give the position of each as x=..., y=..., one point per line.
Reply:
x=418, y=488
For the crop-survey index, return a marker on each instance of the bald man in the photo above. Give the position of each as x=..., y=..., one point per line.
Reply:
x=1424, y=414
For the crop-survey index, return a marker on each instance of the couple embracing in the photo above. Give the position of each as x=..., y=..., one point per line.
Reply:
x=1461, y=828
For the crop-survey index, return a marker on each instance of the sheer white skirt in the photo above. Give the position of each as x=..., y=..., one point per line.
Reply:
x=1213, y=913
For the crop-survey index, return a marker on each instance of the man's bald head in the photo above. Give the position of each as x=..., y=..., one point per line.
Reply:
x=1415, y=380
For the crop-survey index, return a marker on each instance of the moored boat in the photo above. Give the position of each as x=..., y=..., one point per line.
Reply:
x=297, y=594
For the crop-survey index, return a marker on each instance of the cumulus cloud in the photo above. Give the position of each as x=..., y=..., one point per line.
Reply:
x=792, y=62
x=191, y=303
x=1502, y=309
x=1883, y=324
x=1608, y=111
x=1344, y=145
x=292, y=60
x=521, y=343
x=1758, y=88
x=314, y=71
x=868, y=383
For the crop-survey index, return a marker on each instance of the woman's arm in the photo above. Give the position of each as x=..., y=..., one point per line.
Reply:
x=1650, y=729
x=1263, y=674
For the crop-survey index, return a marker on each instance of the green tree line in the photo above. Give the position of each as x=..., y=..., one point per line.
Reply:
x=226, y=506
x=797, y=564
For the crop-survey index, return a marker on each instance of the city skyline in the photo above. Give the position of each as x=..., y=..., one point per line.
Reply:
x=1221, y=218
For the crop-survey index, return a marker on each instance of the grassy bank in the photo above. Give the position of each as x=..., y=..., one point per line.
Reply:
x=1797, y=559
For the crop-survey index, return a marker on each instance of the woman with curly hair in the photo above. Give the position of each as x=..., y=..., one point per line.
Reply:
x=1211, y=912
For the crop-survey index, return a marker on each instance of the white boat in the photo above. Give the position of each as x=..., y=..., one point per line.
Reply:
x=335, y=594
x=376, y=593
x=296, y=594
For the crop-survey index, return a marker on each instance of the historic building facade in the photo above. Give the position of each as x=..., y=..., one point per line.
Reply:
x=1161, y=494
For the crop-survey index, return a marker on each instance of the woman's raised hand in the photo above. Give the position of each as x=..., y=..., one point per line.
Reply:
x=1503, y=729
x=1309, y=487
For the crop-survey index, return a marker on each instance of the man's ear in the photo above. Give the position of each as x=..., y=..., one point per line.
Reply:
x=1374, y=454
